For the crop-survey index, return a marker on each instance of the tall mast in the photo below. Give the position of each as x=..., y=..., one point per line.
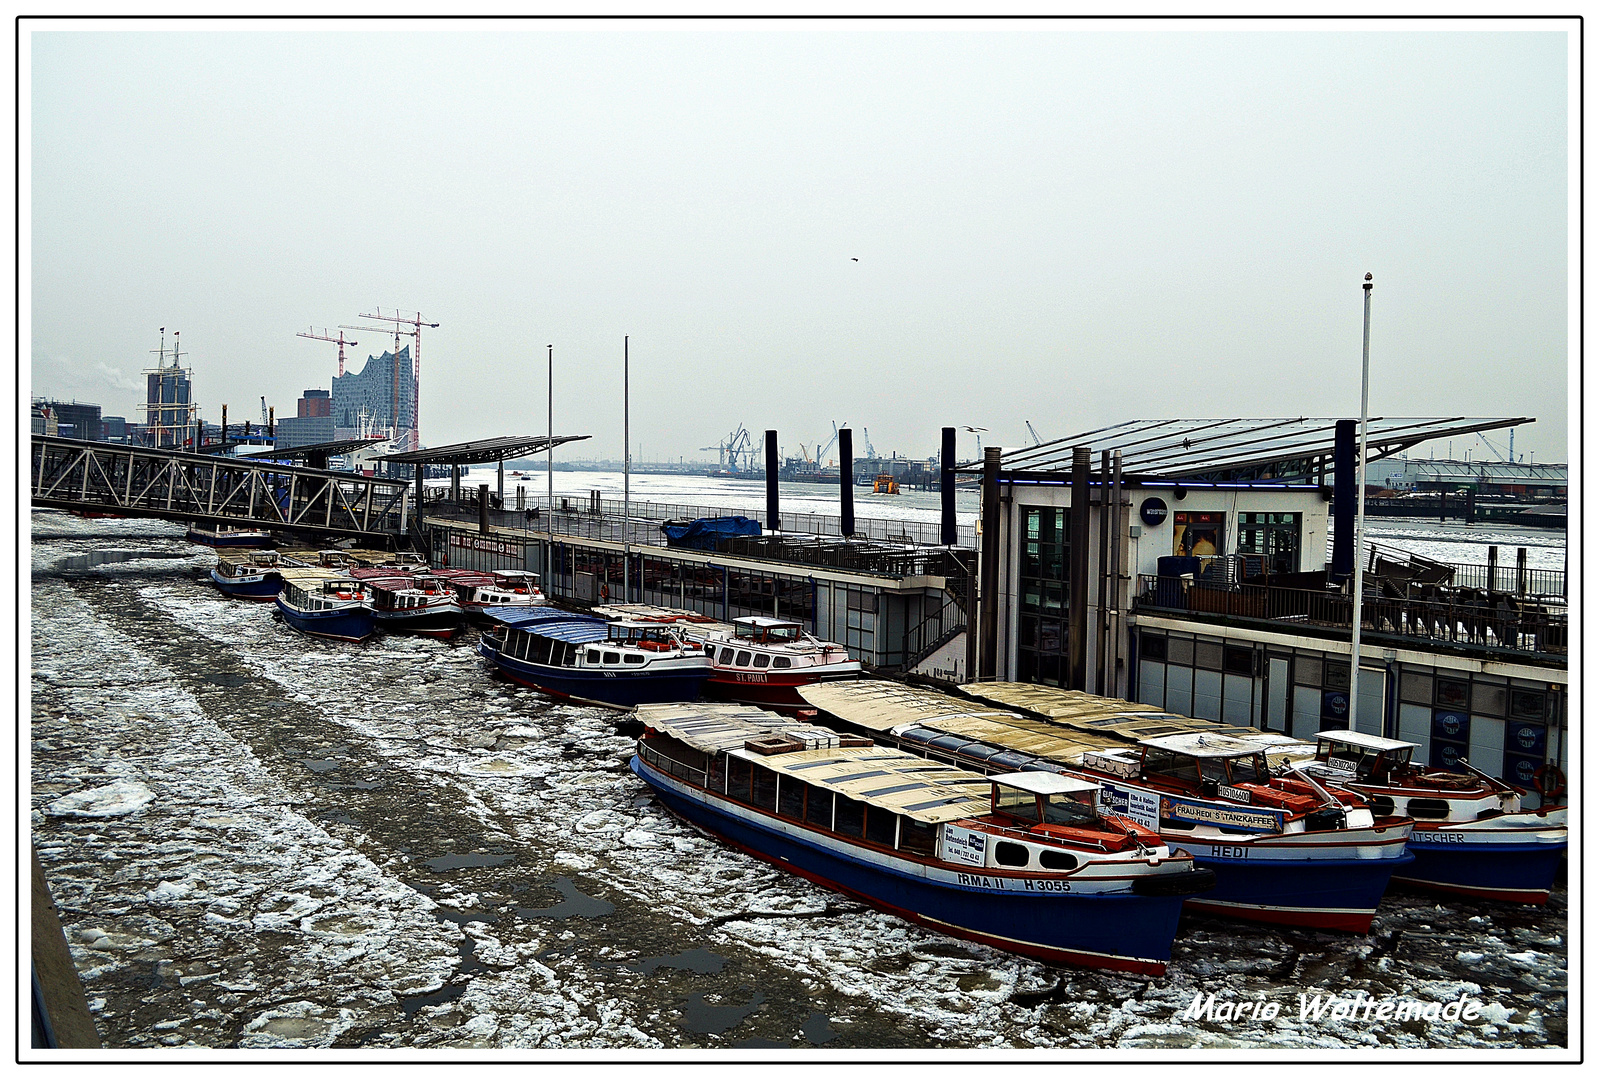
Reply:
x=1360, y=510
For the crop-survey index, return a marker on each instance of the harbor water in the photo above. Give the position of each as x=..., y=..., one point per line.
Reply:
x=262, y=841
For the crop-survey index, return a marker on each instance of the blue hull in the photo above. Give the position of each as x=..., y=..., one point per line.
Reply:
x=1124, y=932
x=620, y=688
x=1330, y=894
x=1519, y=873
x=264, y=589
x=348, y=624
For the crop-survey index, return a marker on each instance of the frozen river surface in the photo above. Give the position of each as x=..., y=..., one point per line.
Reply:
x=262, y=841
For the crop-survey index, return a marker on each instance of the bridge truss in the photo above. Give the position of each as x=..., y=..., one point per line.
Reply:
x=138, y=481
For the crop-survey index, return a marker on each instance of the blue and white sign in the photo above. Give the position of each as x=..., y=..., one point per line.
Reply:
x=1152, y=511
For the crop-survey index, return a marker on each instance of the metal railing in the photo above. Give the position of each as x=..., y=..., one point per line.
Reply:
x=1461, y=617
x=870, y=528
x=136, y=481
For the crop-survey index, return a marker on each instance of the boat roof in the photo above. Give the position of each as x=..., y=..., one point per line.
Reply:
x=1044, y=783
x=880, y=705
x=572, y=631
x=890, y=779
x=1205, y=745
x=1128, y=720
x=307, y=575
x=1360, y=738
x=525, y=617
x=766, y=622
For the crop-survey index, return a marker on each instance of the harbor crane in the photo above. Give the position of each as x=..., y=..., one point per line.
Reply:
x=728, y=450
x=821, y=451
x=866, y=441
x=1033, y=434
x=263, y=410
x=416, y=323
x=341, y=341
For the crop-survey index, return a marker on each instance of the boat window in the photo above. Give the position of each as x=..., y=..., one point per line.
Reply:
x=849, y=816
x=917, y=837
x=1010, y=759
x=1213, y=768
x=593, y=657
x=738, y=778
x=715, y=774
x=1249, y=770
x=726, y=658
x=1159, y=762
x=1007, y=853
x=1430, y=809
x=613, y=658
x=782, y=661
x=978, y=750
x=765, y=795
x=539, y=651
x=633, y=658
x=1381, y=805
x=1065, y=810
x=791, y=798
x=1050, y=859
x=880, y=825
x=762, y=660
x=819, y=807
x=1015, y=802
x=949, y=742
x=743, y=658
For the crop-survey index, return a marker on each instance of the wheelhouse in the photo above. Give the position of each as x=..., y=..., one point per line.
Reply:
x=1045, y=798
x=764, y=630
x=1208, y=761
x=1358, y=756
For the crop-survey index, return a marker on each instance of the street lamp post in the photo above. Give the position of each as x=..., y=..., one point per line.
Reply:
x=549, y=450
x=1360, y=511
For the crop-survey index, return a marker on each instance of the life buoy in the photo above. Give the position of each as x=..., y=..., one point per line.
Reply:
x=605, y=594
x=1549, y=781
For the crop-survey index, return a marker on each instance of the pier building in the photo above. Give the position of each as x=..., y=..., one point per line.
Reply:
x=1210, y=575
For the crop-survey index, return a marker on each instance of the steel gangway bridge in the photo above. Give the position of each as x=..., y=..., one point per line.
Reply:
x=208, y=489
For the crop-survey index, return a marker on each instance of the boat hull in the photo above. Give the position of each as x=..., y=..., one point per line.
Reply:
x=1516, y=870
x=770, y=691
x=1324, y=894
x=353, y=623
x=249, y=587
x=434, y=624
x=1118, y=932
x=622, y=689
x=224, y=540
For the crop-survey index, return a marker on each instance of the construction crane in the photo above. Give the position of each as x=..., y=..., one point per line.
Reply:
x=416, y=322
x=341, y=341
x=395, y=414
x=1036, y=440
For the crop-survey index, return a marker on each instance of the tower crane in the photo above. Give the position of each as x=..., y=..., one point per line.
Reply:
x=341, y=340
x=416, y=322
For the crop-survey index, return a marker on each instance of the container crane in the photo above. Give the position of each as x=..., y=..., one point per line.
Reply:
x=341, y=341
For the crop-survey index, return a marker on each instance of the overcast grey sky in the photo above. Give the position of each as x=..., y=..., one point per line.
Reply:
x=1070, y=227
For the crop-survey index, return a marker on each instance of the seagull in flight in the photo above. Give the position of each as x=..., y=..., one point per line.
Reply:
x=853, y=259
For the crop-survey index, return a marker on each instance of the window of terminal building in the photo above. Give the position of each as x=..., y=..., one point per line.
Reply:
x=1273, y=537
x=1042, y=644
x=1199, y=533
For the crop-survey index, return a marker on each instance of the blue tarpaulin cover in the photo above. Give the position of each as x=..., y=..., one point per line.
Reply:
x=527, y=616
x=701, y=534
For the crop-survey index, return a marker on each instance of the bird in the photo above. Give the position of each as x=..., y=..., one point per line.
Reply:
x=976, y=429
x=853, y=259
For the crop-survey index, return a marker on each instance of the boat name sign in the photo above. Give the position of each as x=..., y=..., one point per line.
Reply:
x=1142, y=806
x=1225, y=816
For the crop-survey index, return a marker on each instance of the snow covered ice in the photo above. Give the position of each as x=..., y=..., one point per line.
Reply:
x=259, y=840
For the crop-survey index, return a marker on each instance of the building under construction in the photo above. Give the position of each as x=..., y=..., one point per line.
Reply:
x=374, y=401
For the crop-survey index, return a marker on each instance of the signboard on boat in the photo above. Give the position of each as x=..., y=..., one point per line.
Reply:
x=1226, y=817
x=965, y=846
x=1142, y=806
